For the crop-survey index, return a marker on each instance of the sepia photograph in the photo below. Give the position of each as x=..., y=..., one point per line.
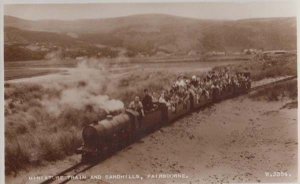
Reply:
x=150, y=92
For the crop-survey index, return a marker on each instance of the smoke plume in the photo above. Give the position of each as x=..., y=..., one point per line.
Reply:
x=83, y=87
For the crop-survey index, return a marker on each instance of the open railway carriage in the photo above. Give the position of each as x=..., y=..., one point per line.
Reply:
x=198, y=99
x=248, y=83
x=181, y=108
x=225, y=93
x=152, y=119
x=115, y=132
x=245, y=86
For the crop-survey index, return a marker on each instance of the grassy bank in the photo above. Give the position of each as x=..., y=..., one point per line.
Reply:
x=35, y=136
x=277, y=92
x=32, y=134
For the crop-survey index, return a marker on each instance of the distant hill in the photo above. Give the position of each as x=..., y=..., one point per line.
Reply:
x=16, y=35
x=152, y=33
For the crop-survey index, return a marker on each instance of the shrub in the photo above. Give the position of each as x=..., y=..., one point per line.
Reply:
x=16, y=157
x=70, y=141
x=49, y=147
x=21, y=129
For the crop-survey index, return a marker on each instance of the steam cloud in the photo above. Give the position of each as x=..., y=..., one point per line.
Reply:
x=84, y=86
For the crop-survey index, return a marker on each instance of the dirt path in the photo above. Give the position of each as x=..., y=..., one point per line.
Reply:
x=237, y=140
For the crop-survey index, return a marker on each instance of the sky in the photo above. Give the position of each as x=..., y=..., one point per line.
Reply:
x=232, y=10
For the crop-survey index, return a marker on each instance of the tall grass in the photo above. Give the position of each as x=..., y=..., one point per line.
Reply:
x=32, y=134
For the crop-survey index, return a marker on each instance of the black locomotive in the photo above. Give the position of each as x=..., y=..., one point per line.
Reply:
x=107, y=136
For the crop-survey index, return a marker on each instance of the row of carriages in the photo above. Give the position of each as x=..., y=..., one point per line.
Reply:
x=116, y=132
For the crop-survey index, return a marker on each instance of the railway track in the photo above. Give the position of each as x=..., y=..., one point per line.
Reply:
x=71, y=173
x=273, y=83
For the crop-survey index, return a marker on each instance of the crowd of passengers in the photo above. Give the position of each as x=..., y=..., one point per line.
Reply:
x=211, y=85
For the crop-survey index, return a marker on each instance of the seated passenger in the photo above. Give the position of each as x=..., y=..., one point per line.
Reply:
x=194, y=81
x=137, y=106
x=154, y=98
x=147, y=101
x=162, y=98
x=180, y=81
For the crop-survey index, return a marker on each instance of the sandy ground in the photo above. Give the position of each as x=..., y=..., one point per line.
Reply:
x=237, y=140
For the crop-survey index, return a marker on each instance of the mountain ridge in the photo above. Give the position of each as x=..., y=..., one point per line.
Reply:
x=148, y=14
x=149, y=34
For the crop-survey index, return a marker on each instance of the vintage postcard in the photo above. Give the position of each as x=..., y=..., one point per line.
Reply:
x=150, y=92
